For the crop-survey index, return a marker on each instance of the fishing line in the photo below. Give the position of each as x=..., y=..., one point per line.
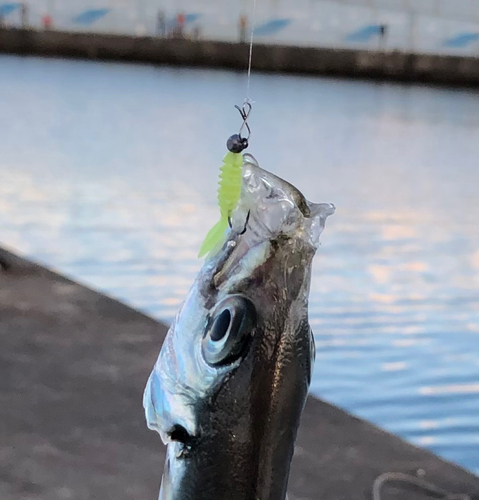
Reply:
x=250, y=58
x=418, y=482
x=231, y=172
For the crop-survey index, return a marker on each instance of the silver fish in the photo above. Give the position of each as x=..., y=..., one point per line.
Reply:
x=232, y=377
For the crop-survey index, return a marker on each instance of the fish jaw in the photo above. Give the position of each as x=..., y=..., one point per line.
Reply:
x=231, y=428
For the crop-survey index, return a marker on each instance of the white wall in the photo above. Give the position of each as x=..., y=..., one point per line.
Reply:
x=417, y=25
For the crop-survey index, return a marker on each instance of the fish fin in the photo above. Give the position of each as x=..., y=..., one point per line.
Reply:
x=214, y=236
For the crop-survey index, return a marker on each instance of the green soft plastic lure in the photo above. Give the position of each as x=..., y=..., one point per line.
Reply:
x=229, y=191
x=231, y=180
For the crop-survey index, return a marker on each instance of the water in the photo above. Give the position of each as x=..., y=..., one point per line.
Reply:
x=108, y=174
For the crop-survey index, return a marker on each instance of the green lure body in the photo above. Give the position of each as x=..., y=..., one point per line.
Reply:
x=229, y=191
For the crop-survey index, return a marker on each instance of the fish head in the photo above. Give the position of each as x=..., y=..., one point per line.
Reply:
x=232, y=377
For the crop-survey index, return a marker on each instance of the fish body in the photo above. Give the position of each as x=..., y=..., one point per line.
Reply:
x=232, y=377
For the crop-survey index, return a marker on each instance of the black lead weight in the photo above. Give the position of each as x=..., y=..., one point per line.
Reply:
x=236, y=143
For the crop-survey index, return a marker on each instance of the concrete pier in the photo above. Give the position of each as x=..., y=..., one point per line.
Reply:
x=73, y=365
x=388, y=65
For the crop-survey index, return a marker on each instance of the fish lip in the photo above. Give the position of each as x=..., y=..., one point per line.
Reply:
x=300, y=200
x=243, y=261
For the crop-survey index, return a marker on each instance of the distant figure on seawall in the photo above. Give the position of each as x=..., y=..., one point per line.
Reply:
x=24, y=15
x=180, y=25
x=243, y=21
x=161, y=24
x=47, y=21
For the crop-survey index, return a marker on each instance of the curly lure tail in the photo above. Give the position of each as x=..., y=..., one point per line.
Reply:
x=215, y=234
x=229, y=191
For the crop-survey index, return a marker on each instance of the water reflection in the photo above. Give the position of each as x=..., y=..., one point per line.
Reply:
x=109, y=171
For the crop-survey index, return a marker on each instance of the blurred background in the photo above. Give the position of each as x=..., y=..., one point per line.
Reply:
x=426, y=26
x=108, y=174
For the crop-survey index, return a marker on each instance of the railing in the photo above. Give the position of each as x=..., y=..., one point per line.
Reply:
x=434, y=26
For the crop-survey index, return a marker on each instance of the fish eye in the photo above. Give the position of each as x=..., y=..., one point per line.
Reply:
x=230, y=326
x=220, y=326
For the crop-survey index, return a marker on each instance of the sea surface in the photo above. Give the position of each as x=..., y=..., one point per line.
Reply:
x=108, y=174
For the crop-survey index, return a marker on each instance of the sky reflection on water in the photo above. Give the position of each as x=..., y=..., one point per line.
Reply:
x=108, y=174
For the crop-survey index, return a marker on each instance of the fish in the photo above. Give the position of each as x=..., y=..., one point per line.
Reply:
x=231, y=380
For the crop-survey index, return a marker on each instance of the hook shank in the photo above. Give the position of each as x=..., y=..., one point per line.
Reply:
x=245, y=111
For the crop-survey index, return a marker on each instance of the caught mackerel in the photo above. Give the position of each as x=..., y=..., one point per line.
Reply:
x=232, y=377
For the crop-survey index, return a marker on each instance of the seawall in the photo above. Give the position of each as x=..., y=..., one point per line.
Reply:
x=399, y=66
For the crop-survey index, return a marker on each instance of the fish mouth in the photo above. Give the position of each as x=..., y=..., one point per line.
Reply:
x=277, y=208
x=271, y=213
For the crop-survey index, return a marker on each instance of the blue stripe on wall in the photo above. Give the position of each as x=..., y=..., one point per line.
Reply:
x=272, y=27
x=365, y=34
x=462, y=40
x=6, y=8
x=90, y=16
x=191, y=18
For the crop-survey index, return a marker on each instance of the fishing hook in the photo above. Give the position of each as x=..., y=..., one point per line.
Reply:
x=246, y=223
x=237, y=143
x=230, y=224
x=245, y=111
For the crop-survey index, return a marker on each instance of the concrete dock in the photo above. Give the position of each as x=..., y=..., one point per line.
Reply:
x=386, y=65
x=73, y=365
